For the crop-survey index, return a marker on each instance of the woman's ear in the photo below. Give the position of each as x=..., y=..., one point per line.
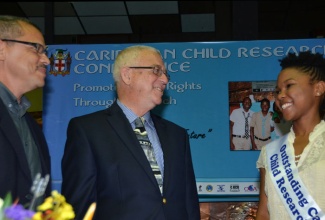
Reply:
x=126, y=75
x=320, y=88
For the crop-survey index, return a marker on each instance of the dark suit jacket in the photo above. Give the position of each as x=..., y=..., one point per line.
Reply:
x=104, y=162
x=15, y=176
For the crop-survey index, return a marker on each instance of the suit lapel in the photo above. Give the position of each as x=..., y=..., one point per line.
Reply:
x=7, y=126
x=123, y=129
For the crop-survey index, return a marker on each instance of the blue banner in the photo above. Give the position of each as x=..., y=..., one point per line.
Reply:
x=80, y=81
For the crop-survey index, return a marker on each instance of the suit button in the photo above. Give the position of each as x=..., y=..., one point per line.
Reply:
x=29, y=196
x=164, y=200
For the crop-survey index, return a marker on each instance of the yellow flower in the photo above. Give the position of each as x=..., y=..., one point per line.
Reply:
x=37, y=216
x=47, y=204
x=54, y=207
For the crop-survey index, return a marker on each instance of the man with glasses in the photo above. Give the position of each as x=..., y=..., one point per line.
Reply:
x=104, y=162
x=23, y=149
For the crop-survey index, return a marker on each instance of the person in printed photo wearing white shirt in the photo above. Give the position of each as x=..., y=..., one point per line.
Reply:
x=239, y=126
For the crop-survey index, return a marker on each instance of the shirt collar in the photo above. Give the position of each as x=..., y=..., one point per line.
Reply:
x=11, y=101
x=131, y=116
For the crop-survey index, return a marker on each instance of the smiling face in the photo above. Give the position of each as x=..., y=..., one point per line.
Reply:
x=146, y=88
x=296, y=95
x=265, y=106
x=247, y=104
x=24, y=69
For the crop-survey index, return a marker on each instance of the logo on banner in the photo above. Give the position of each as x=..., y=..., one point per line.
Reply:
x=220, y=188
x=60, y=62
x=250, y=188
x=209, y=188
x=234, y=188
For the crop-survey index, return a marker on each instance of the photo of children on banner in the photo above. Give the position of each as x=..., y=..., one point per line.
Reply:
x=256, y=121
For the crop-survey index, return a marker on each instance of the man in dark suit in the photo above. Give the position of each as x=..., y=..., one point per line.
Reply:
x=103, y=161
x=23, y=150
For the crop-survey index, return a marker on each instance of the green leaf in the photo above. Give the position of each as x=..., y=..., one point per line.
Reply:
x=7, y=201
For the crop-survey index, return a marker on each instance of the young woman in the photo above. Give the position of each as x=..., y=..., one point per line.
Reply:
x=292, y=175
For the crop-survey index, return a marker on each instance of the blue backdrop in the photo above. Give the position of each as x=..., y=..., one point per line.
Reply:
x=80, y=81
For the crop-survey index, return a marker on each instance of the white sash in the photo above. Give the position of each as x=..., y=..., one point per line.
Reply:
x=284, y=175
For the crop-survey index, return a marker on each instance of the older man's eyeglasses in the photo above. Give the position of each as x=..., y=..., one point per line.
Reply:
x=38, y=47
x=157, y=70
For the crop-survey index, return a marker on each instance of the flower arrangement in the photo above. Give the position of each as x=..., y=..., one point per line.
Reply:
x=54, y=207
